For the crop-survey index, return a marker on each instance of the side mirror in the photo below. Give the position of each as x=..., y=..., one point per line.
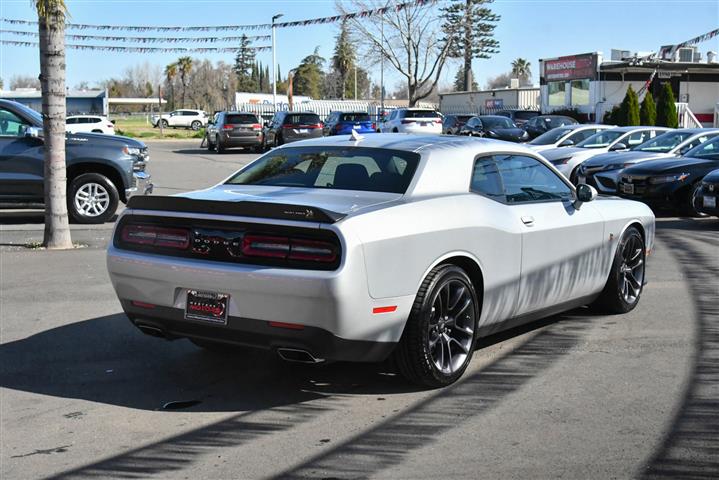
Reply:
x=33, y=132
x=617, y=146
x=585, y=193
x=567, y=143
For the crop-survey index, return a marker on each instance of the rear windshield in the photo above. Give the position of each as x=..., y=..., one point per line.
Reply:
x=354, y=117
x=497, y=122
x=235, y=119
x=420, y=114
x=555, y=122
x=338, y=168
x=302, y=119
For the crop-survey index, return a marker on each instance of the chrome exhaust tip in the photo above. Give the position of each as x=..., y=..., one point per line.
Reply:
x=298, y=356
x=152, y=331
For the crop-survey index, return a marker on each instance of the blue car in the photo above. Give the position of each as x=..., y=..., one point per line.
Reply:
x=342, y=123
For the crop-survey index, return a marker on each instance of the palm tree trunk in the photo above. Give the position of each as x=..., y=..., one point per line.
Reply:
x=52, y=79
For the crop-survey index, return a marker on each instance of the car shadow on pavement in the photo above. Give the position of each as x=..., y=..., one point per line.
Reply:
x=32, y=217
x=690, y=448
x=106, y=360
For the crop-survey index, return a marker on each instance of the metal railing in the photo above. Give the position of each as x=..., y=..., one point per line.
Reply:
x=687, y=119
x=321, y=107
x=481, y=110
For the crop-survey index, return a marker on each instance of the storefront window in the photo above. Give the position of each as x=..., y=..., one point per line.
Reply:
x=556, y=93
x=580, y=92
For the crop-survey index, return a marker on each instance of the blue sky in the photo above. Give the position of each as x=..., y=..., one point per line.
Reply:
x=531, y=29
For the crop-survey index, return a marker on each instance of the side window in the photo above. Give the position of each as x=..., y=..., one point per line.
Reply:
x=526, y=179
x=583, y=135
x=71, y=121
x=485, y=179
x=637, y=137
x=11, y=125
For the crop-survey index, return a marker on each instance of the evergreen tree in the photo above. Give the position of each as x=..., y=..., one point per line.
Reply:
x=255, y=76
x=266, y=87
x=648, y=112
x=244, y=62
x=666, y=108
x=343, y=60
x=308, y=77
x=459, y=81
x=472, y=25
x=260, y=77
x=629, y=109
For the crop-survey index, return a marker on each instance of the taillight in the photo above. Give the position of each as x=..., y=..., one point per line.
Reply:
x=256, y=126
x=156, y=236
x=438, y=121
x=228, y=127
x=288, y=248
x=374, y=126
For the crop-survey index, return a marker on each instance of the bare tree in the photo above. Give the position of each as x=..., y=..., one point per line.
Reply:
x=24, y=81
x=51, y=20
x=411, y=39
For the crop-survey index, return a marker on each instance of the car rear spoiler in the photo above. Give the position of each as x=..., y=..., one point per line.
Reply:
x=282, y=211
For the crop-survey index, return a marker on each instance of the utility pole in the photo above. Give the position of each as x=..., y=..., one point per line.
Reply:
x=274, y=63
x=159, y=101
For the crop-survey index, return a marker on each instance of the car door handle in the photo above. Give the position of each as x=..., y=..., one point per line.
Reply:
x=528, y=220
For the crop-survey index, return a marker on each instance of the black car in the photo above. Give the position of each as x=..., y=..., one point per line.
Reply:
x=234, y=129
x=452, y=124
x=671, y=184
x=494, y=126
x=519, y=117
x=544, y=123
x=288, y=127
x=705, y=199
x=102, y=170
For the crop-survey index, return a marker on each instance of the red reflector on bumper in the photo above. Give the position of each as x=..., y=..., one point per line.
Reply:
x=291, y=326
x=135, y=303
x=387, y=309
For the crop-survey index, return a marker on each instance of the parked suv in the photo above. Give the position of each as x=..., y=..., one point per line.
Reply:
x=194, y=119
x=89, y=123
x=412, y=120
x=288, y=127
x=102, y=170
x=234, y=129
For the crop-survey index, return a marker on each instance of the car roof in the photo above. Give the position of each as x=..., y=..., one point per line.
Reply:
x=492, y=116
x=411, y=142
x=638, y=127
x=82, y=115
x=576, y=126
x=234, y=112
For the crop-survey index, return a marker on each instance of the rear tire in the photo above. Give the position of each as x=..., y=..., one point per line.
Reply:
x=210, y=145
x=626, y=278
x=439, y=338
x=164, y=123
x=693, y=202
x=196, y=125
x=218, y=147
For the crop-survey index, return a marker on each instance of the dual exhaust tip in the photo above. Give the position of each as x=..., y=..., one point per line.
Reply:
x=287, y=354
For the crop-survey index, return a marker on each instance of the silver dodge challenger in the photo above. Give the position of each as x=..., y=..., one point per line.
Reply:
x=352, y=248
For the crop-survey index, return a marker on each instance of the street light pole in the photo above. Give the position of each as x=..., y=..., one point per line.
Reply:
x=274, y=63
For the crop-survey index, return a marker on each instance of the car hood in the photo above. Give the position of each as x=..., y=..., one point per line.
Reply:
x=610, y=158
x=338, y=201
x=670, y=166
x=101, y=138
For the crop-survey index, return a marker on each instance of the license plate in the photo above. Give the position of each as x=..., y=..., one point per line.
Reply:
x=710, y=202
x=207, y=306
x=304, y=130
x=581, y=179
x=628, y=188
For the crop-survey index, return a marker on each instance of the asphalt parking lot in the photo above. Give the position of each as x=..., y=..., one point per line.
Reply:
x=580, y=395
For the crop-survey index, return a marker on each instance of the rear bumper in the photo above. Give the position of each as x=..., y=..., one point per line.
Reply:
x=244, y=141
x=247, y=332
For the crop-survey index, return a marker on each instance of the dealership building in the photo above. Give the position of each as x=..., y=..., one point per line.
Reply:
x=77, y=101
x=592, y=86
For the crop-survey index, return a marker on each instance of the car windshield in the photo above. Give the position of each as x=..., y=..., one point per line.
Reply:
x=601, y=139
x=234, y=118
x=663, y=143
x=301, y=119
x=497, y=122
x=354, y=117
x=339, y=168
x=708, y=150
x=420, y=114
x=550, y=137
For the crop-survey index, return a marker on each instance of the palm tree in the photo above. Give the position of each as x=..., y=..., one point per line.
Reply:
x=51, y=26
x=170, y=74
x=184, y=65
x=522, y=69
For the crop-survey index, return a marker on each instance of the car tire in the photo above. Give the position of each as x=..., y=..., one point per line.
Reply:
x=196, y=125
x=424, y=354
x=574, y=176
x=92, y=198
x=218, y=147
x=164, y=123
x=97, y=131
x=210, y=145
x=626, y=278
x=278, y=140
x=692, y=204
x=394, y=130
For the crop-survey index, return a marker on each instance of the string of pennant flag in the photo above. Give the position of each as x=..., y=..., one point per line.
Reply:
x=144, y=39
x=692, y=41
x=259, y=26
x=128, y=49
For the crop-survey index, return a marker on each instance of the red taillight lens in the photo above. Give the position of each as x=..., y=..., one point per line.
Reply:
x=228, y=127
x=288, y=248
x=374, y=126
x=256, y=126
x=265, y=246
x=156, y=236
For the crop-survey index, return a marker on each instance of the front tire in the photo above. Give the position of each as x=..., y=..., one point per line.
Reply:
x=693, y=203
x=439, y=337
x=218, y=146
x=626, y=278
x=93, y=198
